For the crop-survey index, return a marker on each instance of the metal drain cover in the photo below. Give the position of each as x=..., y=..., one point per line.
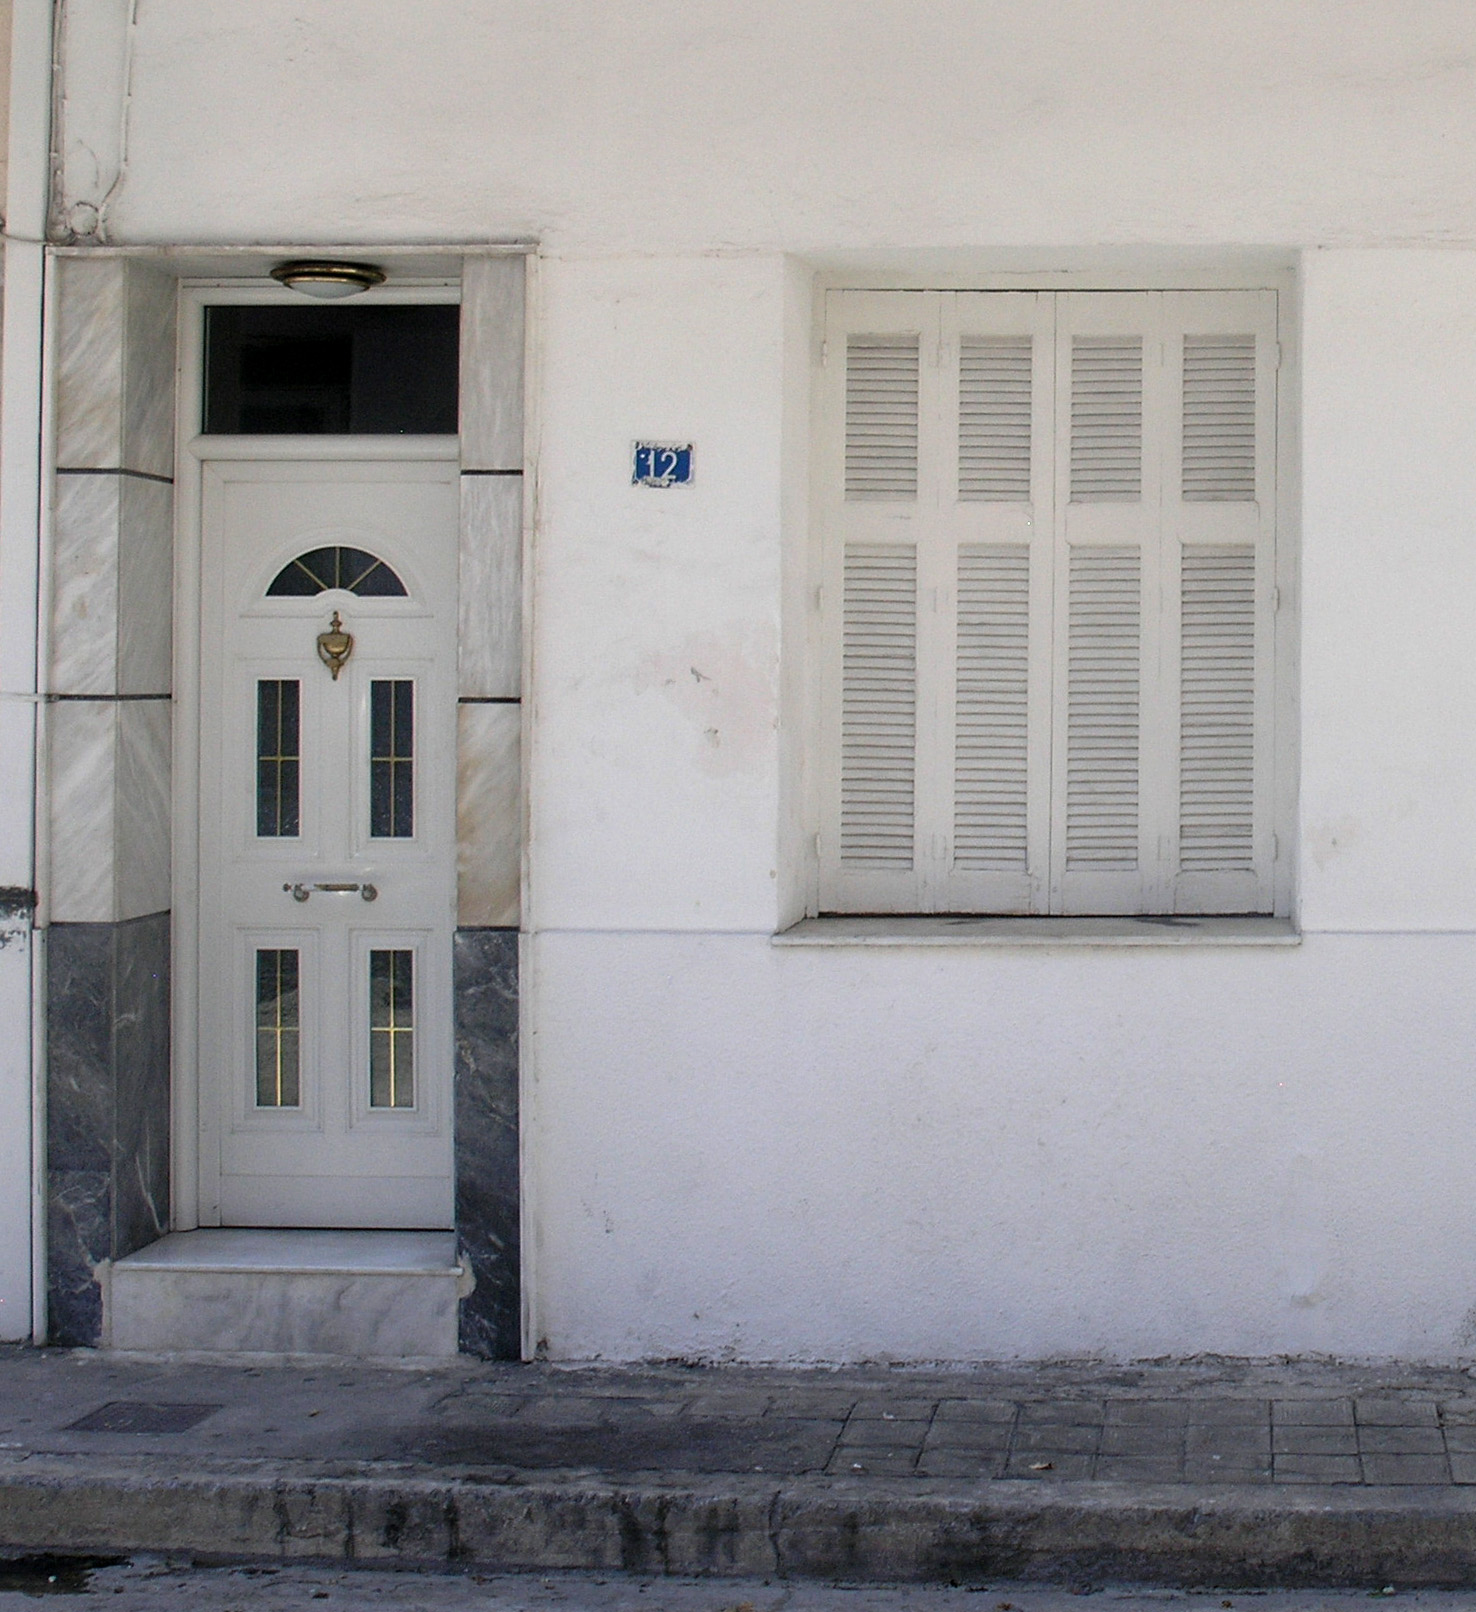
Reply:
x=132, y=1416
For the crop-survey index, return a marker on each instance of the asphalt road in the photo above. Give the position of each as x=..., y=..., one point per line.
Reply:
x=151, y=1585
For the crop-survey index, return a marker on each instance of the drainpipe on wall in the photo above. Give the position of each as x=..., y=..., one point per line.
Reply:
x=23, y=579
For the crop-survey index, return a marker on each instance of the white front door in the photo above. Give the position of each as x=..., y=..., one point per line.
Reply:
x=327, y=869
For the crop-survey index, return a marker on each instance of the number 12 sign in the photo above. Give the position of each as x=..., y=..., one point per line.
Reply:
x=662, y=464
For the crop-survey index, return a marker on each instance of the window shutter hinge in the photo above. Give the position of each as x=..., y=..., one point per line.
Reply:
x=1275, y=597
x=1275, y=847
x=824, y=354
x=816, y=839
x=819, y=600
x=1278, y=355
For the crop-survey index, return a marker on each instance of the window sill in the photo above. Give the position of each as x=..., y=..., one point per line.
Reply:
x=965, y=931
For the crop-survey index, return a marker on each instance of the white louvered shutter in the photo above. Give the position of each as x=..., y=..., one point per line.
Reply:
x=875, y=493
x=1220, y=535
x=1047, y=596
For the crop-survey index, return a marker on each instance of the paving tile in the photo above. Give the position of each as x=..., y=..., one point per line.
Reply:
x=1137, y=1469
x=1207, y=1469
x=882, y=1434
x=719, y=1404
x=1453, y=1411
x=1061, y=1465
x=1405, y=1469
x=1317, y=1469
x=1147, y=1412
x=1061, y=1438
x=804, y=1406
x=1397, y=1413
x=879, y=1463
x=1314, y=1440
x=1312, y=1412
x=1228, y=1440
x=975, y=1410
x=1463, y=1468
x=898, y=1410
x=1062, y=1412
x=1460, y=1436
x=1137, y=1440
x=957, y=1464
x=1401, y=1440
x=1230, y=1412
x=968, y=1436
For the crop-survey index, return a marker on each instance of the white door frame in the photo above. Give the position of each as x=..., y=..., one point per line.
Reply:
x=191, y=1190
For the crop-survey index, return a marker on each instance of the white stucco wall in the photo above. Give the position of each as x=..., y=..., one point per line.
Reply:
x=735, y=1149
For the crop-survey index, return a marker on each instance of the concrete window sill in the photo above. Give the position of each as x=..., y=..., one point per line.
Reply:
x=964, y=931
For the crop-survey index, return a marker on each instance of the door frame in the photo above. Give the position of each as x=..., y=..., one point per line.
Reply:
x=195, y=1173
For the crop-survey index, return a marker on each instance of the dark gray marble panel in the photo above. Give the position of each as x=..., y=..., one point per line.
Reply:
x=108, y=1107
x=141, y=1083
x=487, y=1195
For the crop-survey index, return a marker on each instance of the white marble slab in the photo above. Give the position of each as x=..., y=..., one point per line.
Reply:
x=247, y=1248
x=83, y=766
x=142, y=796
x=84, y=610
x=490, y=652
x=147, y=425
x=145, y=586
x=89, y=362
x=488, y=815
x=492, y=292
x=404, y=1315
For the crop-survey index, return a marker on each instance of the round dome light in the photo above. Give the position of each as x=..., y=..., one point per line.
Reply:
x=328, y=280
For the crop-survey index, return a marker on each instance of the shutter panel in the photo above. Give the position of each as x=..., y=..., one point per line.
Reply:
x=1217, y=709
x=991, y=710
x=879, y=707
x=1102, y=717
x=881, y=417
x=1219, y=459
x=1106, y=419
x=994, y=423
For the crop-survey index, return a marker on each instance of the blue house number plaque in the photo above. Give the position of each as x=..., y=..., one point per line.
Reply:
x=662, y=464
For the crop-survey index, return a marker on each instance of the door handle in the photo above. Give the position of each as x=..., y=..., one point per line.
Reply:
x=301, y=892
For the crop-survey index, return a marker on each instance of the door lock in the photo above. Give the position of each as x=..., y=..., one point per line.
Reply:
x=301, y=892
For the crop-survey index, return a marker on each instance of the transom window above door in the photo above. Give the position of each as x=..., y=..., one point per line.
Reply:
x=356, y=571
x=1049, y=586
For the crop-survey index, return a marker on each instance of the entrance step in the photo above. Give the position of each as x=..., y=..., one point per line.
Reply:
x=372, y=1294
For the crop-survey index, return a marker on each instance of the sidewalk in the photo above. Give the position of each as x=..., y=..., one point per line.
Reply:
x=1208, y=1473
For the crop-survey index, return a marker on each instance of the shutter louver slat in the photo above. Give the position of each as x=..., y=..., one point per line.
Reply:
x=991, y=709
x=881, y=417
x=878, y=706
x=1106, y=419
x=994, y=419
x=1102, y=715
x=1217, y=709
x=1219, y=465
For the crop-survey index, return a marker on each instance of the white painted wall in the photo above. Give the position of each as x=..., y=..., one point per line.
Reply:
x=736, y=1149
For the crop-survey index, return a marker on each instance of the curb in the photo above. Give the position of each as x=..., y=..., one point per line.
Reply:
x=908, y=1531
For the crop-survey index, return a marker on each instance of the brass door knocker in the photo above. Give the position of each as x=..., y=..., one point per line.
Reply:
x=335, y=646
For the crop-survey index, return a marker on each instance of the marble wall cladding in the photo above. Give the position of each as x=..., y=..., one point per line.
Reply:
x=90, y=300
x=85, y=582
x=148, y=371
x=490, y=651
x=84, y=742
x=145, y=586
x=141, y=812
x=488, y=815
x=487, y=1190
x=492, y=293
x=107, y=1107
x=114, y=366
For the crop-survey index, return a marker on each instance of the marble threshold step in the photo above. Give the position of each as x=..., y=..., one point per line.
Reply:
x=370, y=1294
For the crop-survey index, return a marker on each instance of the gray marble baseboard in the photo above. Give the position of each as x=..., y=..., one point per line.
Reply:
x=487, y=1191
x=107, y=1133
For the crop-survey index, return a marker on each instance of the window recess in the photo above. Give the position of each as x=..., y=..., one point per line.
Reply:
x=1049, y=572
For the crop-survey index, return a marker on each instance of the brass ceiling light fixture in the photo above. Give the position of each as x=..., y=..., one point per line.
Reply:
x=327, y=280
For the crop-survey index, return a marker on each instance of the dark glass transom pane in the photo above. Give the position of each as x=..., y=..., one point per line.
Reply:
x=391, y=758
x=278, y=1030
x=365, y=370
x=354, y=570
x=391, y=1029
x=278, y=758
